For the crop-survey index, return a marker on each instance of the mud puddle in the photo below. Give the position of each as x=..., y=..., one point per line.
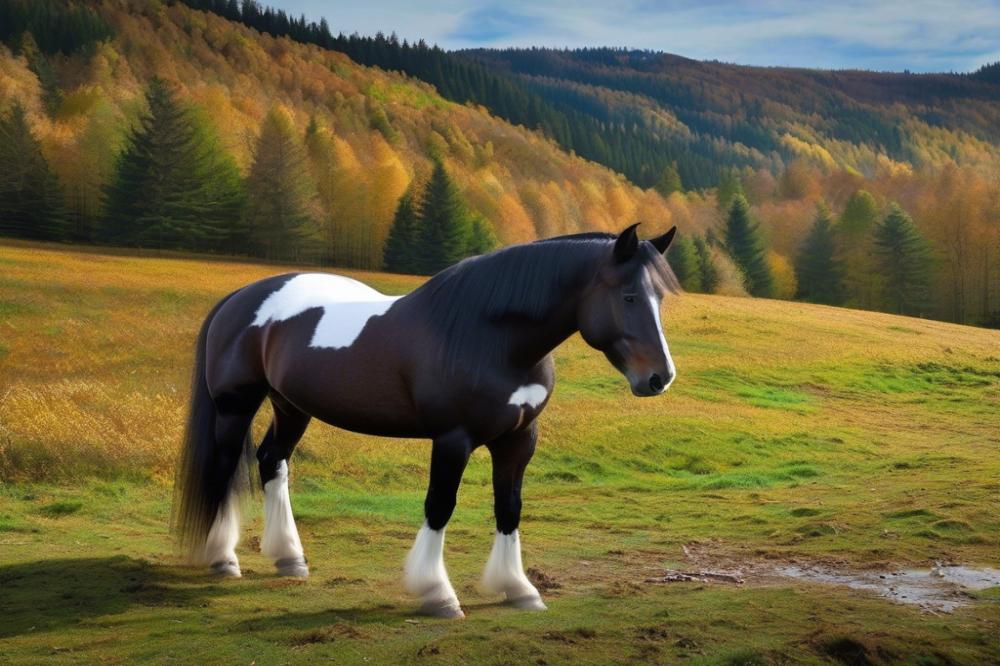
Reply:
x=940, y=589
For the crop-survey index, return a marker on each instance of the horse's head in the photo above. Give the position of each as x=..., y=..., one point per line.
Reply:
x=620, y=311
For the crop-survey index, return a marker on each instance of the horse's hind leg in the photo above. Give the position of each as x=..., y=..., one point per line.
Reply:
x=281, y=538
x=232, y=427
x=504, y=572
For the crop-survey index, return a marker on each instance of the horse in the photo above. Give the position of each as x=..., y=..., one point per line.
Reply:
x=464, y=360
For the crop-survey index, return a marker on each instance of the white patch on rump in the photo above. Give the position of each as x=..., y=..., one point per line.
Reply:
x=531, y=395
x=281, y=539
x=425, y=575
x=347, y=306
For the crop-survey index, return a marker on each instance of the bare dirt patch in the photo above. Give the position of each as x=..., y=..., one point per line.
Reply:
x=939, y=589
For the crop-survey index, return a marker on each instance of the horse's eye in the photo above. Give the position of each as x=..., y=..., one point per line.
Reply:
x=630, y=299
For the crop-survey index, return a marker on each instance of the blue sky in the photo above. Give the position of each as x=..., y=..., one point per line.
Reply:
x=919, y=35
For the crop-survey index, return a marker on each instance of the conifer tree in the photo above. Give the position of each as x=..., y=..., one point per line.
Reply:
x=745, y=245
x=281, y=194
x=903, y=260
x=709, y=272
x=31, y=199
x=685, y=261
x=482, y=238
x=669, y=181
x=173, y=186
x=854, y=230
x=729, y=187
x=444, y=222
x=402, y=245
x=818, y=273
x=860, y=214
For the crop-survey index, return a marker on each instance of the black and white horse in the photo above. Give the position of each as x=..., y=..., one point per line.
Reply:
x=463, y=360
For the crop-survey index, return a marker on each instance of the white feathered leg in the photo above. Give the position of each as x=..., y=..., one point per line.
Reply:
x=425, y=575
x=220, y=546
x=504, y=573
x=281, y=539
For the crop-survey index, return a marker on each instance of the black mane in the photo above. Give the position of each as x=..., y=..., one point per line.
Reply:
x=521, y=282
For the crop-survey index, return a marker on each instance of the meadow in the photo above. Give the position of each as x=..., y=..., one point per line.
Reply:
x=793, y=434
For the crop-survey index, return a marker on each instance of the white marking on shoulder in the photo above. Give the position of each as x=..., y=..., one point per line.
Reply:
x=531, y=395
x=347, y=306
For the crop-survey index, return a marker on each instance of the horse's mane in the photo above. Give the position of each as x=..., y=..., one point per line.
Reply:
x=520, y=282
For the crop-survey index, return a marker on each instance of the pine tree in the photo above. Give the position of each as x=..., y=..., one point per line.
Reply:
x=855, y=229
x=709, y=272
x=281, y=194
x=745, y=245
x=685, y=261
x=31, y=199
x=817, y=271
x=482, y=238
x=173, y=187
x=860, y=214
x=402, y=245
x=444, y=221
x=903, y=260
x=669, y=181
x=729, y=187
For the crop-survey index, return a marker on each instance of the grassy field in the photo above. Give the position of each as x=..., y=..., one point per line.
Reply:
x=794, y=433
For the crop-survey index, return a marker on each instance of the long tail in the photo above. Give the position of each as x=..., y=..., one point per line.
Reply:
x=207, y=474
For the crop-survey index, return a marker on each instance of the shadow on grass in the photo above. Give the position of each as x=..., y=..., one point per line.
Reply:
x=52, y=594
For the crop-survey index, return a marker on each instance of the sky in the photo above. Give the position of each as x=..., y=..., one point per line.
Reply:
x=896, y=35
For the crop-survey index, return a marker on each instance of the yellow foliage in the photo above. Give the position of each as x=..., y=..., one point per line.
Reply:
x=783, y=276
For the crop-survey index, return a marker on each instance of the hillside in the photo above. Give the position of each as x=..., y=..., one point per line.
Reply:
x=381, y=128
x=794, y=433
x=847, y=152
x=765, y=118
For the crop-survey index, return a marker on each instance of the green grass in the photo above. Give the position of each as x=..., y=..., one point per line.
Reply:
x=792, y=433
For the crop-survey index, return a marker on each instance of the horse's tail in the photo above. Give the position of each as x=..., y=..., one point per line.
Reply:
x=207, y=472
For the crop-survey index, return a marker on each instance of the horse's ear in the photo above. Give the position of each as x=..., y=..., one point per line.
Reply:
x=661, y=243
x=627, y=244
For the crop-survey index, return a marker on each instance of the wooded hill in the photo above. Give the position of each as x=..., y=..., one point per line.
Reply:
x=776, y=177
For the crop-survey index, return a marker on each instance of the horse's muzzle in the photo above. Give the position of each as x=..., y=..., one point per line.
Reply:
x=650, y=385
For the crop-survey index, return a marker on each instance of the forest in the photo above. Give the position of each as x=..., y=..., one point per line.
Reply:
x=229, y=127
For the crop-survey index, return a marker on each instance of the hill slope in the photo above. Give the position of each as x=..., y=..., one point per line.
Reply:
x=383, y=128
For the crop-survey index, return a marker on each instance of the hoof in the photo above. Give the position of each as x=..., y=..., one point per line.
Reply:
x=533, y=603
x=294, y=567
x=227, y=569
x=447, y=609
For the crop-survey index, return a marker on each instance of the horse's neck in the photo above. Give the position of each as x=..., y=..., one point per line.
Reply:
x=530, y=342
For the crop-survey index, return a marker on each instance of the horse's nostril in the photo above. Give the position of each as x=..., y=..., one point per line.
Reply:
x=655, y=383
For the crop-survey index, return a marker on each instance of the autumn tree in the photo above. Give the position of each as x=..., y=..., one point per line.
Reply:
x=685, y=261
x=281, y=195
x=173, y=187
x=817, y=270
x=31, y=203
x=745, y=245
x=903, y=260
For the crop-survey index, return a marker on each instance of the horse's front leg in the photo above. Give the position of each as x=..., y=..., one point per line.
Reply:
x=504, y=572
x=425, y=572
